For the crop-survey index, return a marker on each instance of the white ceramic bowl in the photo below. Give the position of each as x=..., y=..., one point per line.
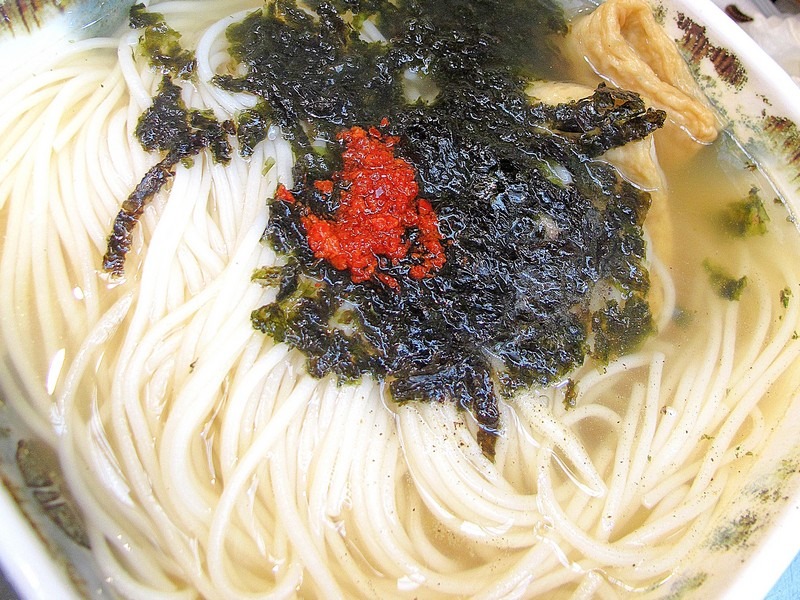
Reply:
x=763, y=105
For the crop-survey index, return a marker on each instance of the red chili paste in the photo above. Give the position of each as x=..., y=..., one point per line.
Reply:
x=378, y=203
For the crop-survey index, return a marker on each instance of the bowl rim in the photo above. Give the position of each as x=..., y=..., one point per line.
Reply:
x=26, y=563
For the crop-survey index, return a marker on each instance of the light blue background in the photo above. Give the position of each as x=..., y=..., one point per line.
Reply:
x=788, y=587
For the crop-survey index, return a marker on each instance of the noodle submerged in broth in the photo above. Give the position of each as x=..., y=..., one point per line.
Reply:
x=423, y=210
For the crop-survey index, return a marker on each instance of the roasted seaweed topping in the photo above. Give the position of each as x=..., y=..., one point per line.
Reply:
x=544, y=255
x=618, y=329
x=317, y=75
x=607, y=119
x=544, y=249
x=745, y=218
x=726, y=285
x=161, y=44
x=177, y=133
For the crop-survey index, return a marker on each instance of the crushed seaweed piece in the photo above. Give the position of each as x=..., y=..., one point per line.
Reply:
x=252, y=127
x=161, y=44
x=168, y=127
x=607, y=119
x=786, y=297
x=570, y=394
x=727, y=286
x=119, y=242
x=618, y=329
x=745, y=218
x=267, y=276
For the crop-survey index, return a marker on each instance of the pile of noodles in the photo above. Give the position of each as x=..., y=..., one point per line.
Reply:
x=206, y=461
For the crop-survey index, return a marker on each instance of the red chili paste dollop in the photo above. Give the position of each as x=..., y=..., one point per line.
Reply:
x=378, y=204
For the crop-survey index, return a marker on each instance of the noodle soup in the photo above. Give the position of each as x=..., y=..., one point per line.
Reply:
x=205, y=460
